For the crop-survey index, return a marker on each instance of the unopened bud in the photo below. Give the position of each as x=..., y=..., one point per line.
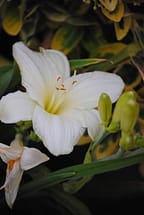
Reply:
x=105, y=108
x=129, y=115
x=126, y=141
x=126, y=112
x=120, y=105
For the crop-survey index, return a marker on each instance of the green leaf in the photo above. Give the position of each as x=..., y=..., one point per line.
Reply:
x=9, y=77
x=125, y=54
x=69, y=202
x=66, y=38
x=54, y=12
x=81, y=170
x=121, y=32
x=81, y=21
x=12, y=21
x=6, y=73
x=110, y=5
x=93, y=38
x=78, y=63
x=115, y=15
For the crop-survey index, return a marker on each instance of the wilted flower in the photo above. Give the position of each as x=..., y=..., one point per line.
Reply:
x=18, y=159
x=60, y=107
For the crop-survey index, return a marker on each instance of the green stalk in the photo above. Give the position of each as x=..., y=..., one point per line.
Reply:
x=81, y=170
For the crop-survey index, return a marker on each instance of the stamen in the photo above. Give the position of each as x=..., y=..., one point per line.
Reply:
x=74, y=73
x=56, y=99
x=74, y=82
x=60, y=86
x=58, y=78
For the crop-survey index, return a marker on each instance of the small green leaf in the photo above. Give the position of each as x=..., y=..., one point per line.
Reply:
x=110, y=5
x=78, y=63
x=12, y=21
x=66, y=38
x=115, y=15
x=93, y=38
x=9, y=77
x=121, y=32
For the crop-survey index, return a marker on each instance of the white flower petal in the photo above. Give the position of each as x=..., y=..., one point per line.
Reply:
x=15, y=107
x=32, y=157
x=40, y=70
x=89, y=86
x=90, y=119
x=3, y=149
x=13, y=179
x=8, y=153
x=58, y=134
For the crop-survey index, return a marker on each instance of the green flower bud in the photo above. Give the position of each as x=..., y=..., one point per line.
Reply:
x=129, y=116
x=125, y=113
x=114, y=127
x=139, y=140
x=126, y=141
x=120, y=105
x=105, y=108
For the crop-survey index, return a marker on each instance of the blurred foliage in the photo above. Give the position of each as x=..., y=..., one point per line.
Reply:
x=107, y=34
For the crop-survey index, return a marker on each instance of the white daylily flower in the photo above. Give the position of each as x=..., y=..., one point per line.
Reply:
x=61, y=107
x=18, y=159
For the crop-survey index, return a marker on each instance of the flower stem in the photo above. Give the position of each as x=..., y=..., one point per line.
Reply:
x=102, y=135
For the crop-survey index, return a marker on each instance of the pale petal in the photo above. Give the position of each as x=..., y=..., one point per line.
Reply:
x=40, y=70
x=3, y=149
x=58, y=134
x=90, y=119
x=89, y=86
x=13, y=179
x=15, y=107
x=32, y=157
x=8, y=153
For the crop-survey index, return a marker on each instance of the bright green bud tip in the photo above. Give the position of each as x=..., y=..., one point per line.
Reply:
x=105, y=108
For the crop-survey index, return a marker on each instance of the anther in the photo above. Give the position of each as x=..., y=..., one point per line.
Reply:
x=74, y=82
x=58, y=78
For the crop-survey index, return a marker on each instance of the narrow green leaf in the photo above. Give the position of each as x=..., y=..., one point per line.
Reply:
x=68, y=201
x=77, y=171
x=78, y=63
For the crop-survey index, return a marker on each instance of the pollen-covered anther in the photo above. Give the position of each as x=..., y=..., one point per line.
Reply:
x=60, y=85
x=74, y=82
x=59, y=78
